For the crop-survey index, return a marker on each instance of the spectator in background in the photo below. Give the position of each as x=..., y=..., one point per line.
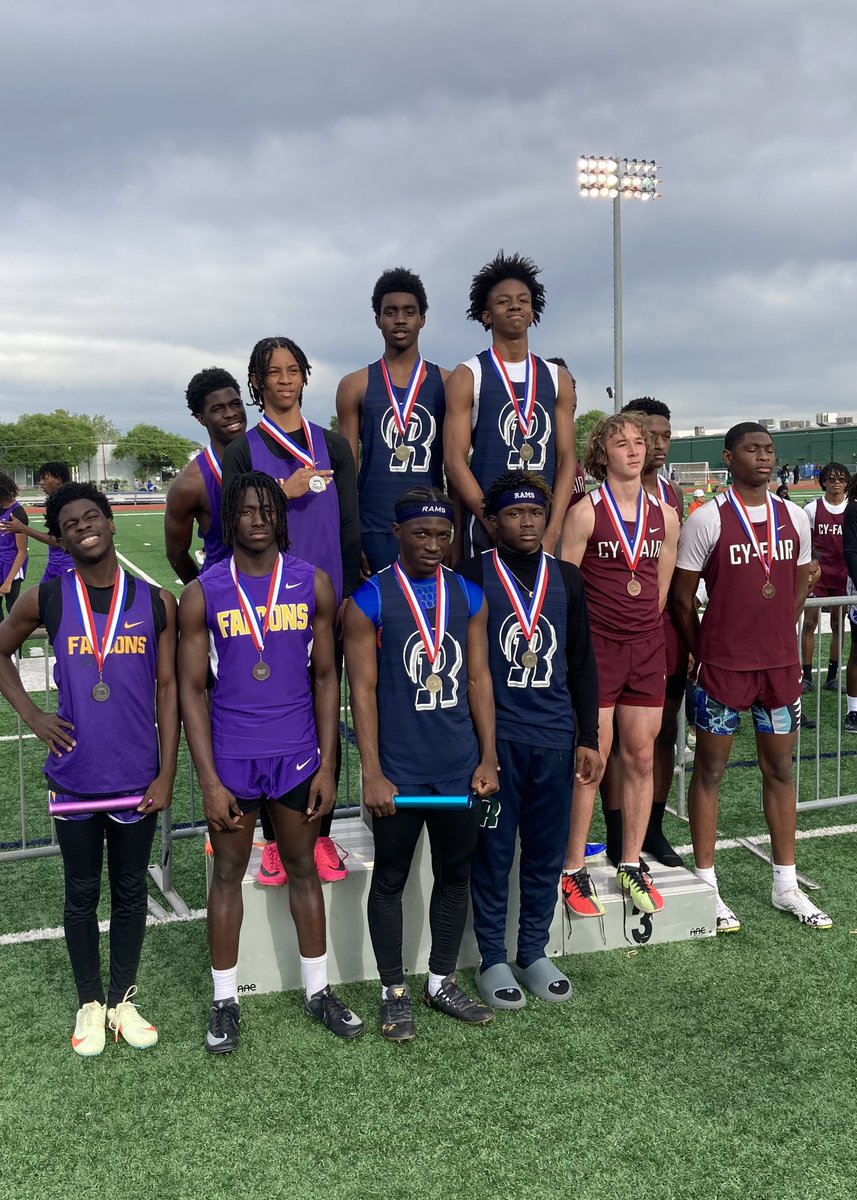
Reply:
x=697, y=501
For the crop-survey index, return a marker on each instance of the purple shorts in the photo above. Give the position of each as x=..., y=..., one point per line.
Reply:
x=252, y=780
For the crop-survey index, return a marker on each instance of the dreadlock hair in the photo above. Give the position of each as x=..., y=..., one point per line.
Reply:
x=595, y=457
x=648, y=405
x=8, y=487
x=59, y=470
x=505, y=266
x=560, y=362
x=269, y=491
x=67, y=494
x=212, y=379
x=399, y=279
x=833, y=468
x=260, y=360
x=738, y=432
x=509, y=482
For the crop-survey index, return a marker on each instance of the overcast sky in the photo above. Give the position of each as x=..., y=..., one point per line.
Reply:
x=179, y=180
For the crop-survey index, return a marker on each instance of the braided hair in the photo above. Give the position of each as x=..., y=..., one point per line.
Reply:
x=273, y=500
x=505, y=266
x=260, y=360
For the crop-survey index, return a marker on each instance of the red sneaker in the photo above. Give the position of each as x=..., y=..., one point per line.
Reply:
x=579, y=894
x=329, y=860
x=272, y=873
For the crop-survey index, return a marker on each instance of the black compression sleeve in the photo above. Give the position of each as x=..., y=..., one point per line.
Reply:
x=345, y=478
x=582, y=667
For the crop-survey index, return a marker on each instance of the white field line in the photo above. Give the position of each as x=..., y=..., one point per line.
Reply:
x=137, y=571
x=198, y=914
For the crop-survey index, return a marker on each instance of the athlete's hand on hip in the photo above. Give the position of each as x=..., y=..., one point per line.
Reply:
x=590, y=765
x=322, y=794
x=221, y=809
x=379, y=796
x=298, y=483
x=158, y=795
x=486, y=779
x=55, y=732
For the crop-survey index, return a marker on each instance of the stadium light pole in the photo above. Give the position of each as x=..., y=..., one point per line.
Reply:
x=613, y=178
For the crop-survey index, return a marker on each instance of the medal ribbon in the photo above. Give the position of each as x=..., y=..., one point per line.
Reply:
x=211, y=459
x=748, y=527
x=664, y=490
x=631, y=549
x=117, y=607
x=250, y=616
x=404, y=412
x=525, y=416
x=305, y=457
x=527, y=617
x=431, y=642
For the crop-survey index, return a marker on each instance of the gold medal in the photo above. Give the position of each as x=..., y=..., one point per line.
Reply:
x=402, y=452
x=530, y=659
x=527, y=452
x=434, y=683
x=633, y=586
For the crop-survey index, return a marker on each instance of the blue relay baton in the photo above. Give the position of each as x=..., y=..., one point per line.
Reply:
x=434, y=801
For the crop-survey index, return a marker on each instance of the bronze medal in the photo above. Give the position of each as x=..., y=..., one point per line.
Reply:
x=317, y=484
x=527, y=452
x=402, y=452
x=633, y=586
x=261, y=671
x=434, y=683
x=101, y=692
x=530, y=659
x=768, y=590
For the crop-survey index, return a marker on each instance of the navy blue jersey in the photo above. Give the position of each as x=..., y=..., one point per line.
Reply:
x=497, y=437
x=383, y=475
x=423, y=735
x=533, y=701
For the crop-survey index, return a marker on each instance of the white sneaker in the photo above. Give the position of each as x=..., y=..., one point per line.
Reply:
x=125, y=1019
x=727, y=922
x=797, y=903
x=88, y=1037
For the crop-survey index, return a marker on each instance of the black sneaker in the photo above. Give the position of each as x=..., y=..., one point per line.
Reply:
x=223, y=1034
x=450, y=999
x=807, y=685
x=397, y=1015
x=851, y=722
x=806, y=722
x=326, y=1007
x=833, y=684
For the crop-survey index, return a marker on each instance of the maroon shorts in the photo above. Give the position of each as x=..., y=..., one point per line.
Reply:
x=632, y=673
x=676, y=652
x=777, y=687
x=823, y=590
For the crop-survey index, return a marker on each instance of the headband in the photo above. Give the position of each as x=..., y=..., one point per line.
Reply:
x=520, y=495
x=410, y=510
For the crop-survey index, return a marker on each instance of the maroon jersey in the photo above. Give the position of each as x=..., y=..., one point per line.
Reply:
x=741, y=630
x=827, y=548
x=676, y=650
x=612, y=611
x=579, y=487
x=669, y=494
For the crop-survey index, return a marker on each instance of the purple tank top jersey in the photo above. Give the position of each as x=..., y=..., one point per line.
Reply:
x=613, y=611
x=313, y=518
x=117, y=742
x=59, y=561
x=8, y=545
x=274, y=716
x=212, y=541
x=741, y=630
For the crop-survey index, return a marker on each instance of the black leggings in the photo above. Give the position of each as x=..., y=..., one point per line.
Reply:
x=11, y=596
x=452, y=836
x=128, y=848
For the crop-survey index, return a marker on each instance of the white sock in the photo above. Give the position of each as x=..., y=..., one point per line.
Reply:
x=852, y=703
x=434, y=982
x=387, y=992
x=225, y=983
x=785, y=879
x=707, y=875
x=314, y=974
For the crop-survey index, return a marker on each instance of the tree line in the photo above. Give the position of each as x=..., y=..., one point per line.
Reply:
x=74, y=438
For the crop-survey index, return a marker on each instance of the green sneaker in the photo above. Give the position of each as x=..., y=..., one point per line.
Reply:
x=639, y=886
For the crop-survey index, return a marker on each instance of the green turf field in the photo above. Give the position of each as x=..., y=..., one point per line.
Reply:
x=721, y=1069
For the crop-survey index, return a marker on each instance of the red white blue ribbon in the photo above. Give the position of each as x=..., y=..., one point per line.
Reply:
x=665, y=491
x=404, y=411
x=305, y=457
x=117, y=607
x=211, y=459
x=525, y=415
x=773, y=524
x=631, y=548
x=528, y=616
x=256, y=633
x=431, y=641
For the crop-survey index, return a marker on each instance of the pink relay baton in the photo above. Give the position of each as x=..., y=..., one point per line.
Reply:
x=64, y=808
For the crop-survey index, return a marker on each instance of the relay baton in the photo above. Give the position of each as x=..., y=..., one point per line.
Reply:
x=433, y=801
x=64, y=808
